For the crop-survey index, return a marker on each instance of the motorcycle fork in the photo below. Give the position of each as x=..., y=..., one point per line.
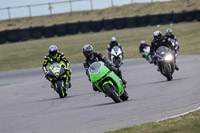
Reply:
x=52, y=82
x=161, y=66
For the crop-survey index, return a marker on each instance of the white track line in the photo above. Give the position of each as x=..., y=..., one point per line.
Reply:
x=180, y=114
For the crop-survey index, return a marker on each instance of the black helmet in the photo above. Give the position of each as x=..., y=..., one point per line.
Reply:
x=53, y=49
x=157, y=35
x=87, y=50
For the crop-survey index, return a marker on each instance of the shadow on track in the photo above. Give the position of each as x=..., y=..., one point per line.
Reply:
x=163, y=81
x=104, y=104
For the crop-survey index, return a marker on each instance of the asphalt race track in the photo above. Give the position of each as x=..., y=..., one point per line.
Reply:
x=29, y=105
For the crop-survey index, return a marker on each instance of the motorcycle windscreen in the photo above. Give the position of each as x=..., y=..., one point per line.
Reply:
x=97, y=70
x=94, y=67
x=115, y=48
x=162, y=50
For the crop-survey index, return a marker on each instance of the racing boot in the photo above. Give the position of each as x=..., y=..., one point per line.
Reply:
x=124, y=82
x=176, y=67
x=68, y=82
x=120, y=76
x=65, y=85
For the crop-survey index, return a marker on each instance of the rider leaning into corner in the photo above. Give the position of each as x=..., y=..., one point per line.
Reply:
x=91, y=57
x=158, y=41
x=113, y=43
x=56, y=56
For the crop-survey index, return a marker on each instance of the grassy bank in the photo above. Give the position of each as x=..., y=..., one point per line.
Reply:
x=184, y=124
x=30, y=54
x=115, y=12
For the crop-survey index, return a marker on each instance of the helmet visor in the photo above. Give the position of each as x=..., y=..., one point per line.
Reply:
x=87, y=54
x=52, y=54
x=157, y=37
x=169, y=34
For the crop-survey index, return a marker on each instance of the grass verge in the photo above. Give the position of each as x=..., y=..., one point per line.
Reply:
x=30, y=54
x=189, y=123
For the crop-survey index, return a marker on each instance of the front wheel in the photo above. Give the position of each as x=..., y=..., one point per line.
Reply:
x=124, y=96
x=117, y=63
x=112, y=93
x=61, y=91
x=167, y=72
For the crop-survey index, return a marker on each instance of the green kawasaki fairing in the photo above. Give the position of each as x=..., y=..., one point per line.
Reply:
x=101, y=75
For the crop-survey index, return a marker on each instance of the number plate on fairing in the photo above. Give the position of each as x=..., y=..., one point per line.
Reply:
x=56, y=69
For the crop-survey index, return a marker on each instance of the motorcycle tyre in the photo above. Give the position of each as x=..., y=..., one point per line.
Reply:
x=167, y=72
x=116, y=64
x=59, y=90
x=124, y=96
x=110, y=92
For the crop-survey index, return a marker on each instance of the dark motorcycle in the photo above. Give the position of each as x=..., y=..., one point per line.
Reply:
x=165, y=61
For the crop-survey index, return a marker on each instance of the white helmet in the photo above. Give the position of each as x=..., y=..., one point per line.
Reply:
x=113, y=39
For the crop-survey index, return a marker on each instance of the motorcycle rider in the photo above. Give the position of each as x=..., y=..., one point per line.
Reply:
x=142, y=46
x=56, y=56
x=91, y=57
x=113, y=43
x=158, y=41
x=169, y=34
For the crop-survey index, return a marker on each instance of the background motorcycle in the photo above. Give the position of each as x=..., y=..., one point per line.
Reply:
x=116, y=56
x=146, y=54
x=57, y=76
x=107, y=82
x=165, y=61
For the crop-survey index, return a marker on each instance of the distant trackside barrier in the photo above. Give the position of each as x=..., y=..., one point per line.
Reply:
x=26, y=34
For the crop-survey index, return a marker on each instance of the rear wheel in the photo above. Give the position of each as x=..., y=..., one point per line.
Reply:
x=167, y=72
x=61, y=91
x=124, y=96
x=112, y=93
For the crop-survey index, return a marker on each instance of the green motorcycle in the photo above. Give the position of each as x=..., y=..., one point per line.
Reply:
x=57, y=76
x=107, y=82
